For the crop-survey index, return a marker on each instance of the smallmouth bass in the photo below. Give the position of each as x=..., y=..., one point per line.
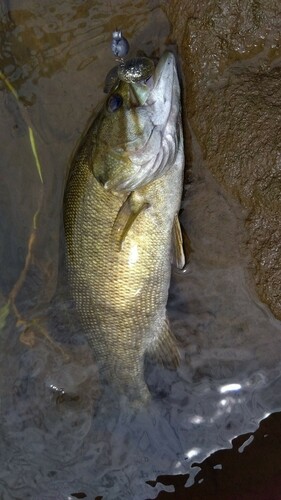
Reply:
x=121, y=225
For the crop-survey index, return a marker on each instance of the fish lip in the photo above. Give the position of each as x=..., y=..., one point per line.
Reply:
x=165, y=60
x=166, y=64
x=164, y=98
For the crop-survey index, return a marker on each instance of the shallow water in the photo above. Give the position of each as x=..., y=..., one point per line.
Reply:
x=56, y=55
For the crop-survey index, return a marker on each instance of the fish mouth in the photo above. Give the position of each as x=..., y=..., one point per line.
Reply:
x=161, y=83
x=164, y=79
x=165, y=65
x=158, y=152
x=159, y=116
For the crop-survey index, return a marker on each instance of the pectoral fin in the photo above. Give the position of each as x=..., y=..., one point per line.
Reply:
x=164, y=350
x=126, y=216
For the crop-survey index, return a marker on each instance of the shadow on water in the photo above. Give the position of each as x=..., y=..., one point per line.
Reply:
x=57, y=440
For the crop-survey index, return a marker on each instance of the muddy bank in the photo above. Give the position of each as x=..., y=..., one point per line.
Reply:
x=231, y=62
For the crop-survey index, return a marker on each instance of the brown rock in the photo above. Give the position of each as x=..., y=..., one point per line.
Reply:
x=230, y=54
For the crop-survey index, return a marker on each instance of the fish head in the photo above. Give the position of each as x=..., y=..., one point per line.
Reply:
x=139, y=127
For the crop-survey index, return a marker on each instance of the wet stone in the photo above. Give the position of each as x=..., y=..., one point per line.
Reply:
x=231, y=63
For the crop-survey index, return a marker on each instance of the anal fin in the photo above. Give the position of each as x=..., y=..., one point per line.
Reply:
x=164, y=349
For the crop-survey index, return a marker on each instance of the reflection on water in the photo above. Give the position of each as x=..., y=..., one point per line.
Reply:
x=57, y=437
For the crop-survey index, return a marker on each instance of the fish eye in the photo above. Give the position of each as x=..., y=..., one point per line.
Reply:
x=114, y=102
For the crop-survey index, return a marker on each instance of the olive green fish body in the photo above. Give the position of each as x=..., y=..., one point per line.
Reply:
x=119, y=249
